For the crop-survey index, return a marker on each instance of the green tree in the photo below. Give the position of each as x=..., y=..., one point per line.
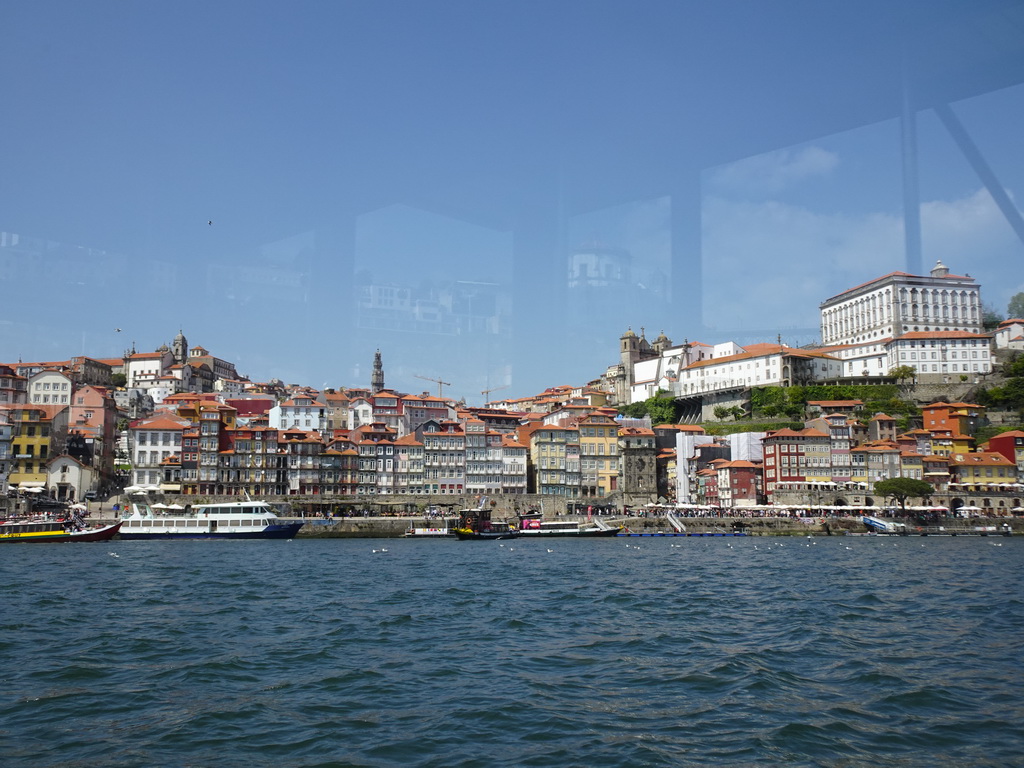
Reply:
x=902, y=488
x=721, y=412
x=1015, y=309
x=662, y=410
x=990, y=317
x=903, y=372
x=118, y=380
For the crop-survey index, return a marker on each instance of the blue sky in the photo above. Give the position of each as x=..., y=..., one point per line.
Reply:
x=461, y=152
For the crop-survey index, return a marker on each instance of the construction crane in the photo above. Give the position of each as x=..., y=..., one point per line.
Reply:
x=436, y=381
x=486, y=392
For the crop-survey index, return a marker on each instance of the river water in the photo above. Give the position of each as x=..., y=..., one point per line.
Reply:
x=841, y=651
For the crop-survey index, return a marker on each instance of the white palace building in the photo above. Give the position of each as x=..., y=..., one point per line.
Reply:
x=898, y=303
x=931, y=323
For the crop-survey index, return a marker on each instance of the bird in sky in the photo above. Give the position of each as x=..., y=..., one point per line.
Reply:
x=210, y=223
x=118, y=330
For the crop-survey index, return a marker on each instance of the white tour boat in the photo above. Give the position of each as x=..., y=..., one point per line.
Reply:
x=226, y=520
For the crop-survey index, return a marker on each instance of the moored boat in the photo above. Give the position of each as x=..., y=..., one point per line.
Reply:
x=69, y=529
x=476, y=525
x=226, y=520
x=533, y=525
x=429, y=532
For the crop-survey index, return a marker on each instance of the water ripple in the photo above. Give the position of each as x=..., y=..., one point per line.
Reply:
x=668, y=652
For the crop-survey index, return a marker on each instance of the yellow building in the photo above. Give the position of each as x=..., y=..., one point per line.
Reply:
x=984, y=469
x=599, y=457
x=553, y=461
x=38, y=433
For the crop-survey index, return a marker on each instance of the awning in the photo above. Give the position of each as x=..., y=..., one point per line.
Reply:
x=32, y=484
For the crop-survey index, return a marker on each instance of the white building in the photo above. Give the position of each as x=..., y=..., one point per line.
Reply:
x=49, y=387
x=686, y=442
x=946, y=355
x=900, y=303
x=1010, y=334
x=152, y=441
x=758, y=365
x=143, y=367
x=303, y=412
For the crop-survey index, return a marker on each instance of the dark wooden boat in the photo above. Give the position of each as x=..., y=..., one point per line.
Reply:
x=476, y=525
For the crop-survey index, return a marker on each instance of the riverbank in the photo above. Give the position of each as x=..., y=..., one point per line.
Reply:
x=392, y=527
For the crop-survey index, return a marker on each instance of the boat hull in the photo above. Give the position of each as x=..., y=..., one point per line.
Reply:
x=592, y=533
x=464, y=535
x=94, y=534
x=284, y=531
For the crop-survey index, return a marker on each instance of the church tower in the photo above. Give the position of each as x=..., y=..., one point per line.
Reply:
x=377, y=377
x=180, y=348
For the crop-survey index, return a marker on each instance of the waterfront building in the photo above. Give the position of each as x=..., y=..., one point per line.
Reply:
x=93, y=415
x=335, y=410
x=911, y=465
x=483, y=458
x=788, y=456
x=553, y=457
x=667, y=468
x=707, y=493
x=154, y=439
x=303, y=451
x=409, y=463
x=599, y=454
x=874, y=461
x=68, y=479
x=638, y=462
x=50, y=386
x=360, y=411
x=6, y=452
x=387, y=409
x=513, y=465
x=419, y=409
x=213, y=421
x=936, y=471
x=839, y=429
x=38, y=432
x=374, y=444
x=1010, y=445
x=739, y=483
x=900, y=303
x=984, y=469
x=444, y=457
x=301, y=411
x=252, y=463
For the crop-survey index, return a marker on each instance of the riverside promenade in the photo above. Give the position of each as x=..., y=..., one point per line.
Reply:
x=349, y=521
x=395, y=527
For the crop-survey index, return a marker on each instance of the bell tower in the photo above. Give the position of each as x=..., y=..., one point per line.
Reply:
x=377, y=377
